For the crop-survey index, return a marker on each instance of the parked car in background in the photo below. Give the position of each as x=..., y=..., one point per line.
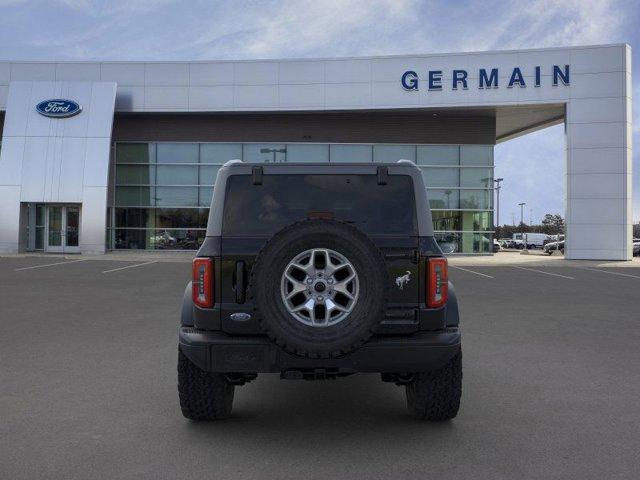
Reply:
x=553, y=246
x=533, y=240
x=636, y=247
x=496, y=246
x=513, y=243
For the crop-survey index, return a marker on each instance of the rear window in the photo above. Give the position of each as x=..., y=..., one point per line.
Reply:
x=284, y=199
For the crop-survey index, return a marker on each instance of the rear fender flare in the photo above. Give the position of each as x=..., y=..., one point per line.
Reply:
x=186, y=313
x=453, y=317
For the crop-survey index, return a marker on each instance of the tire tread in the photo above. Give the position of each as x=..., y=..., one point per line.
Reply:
x=435, y=396
x=203, y=395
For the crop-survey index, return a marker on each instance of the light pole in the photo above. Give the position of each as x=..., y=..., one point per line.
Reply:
x=497, y=181
x=522, y=212
x=524, y=238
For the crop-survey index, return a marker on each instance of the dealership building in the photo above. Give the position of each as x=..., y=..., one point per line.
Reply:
x=99, y=156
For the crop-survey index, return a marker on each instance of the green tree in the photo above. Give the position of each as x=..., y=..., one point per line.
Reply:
x=553, y=223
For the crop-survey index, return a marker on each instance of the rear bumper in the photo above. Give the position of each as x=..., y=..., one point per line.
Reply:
x=218, y=352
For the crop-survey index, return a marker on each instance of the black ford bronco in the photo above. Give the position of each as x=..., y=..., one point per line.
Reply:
x=317, y=271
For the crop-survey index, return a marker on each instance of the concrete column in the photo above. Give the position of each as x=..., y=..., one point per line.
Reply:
x=598, y=172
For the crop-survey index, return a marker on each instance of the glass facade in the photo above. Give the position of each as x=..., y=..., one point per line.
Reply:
x=162, y=191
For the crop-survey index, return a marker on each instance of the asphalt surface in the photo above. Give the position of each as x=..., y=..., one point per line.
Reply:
x=88, y=385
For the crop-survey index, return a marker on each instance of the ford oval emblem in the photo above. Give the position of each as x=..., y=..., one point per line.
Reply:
x=240, y=317
x=58, y=108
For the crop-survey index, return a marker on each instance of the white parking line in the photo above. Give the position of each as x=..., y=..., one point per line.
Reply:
x=130, y=266
x=471, y=271
x=50, y=264
x=610, y=273
x=545, y=273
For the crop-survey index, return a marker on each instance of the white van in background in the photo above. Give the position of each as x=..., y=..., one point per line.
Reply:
x=533, y=240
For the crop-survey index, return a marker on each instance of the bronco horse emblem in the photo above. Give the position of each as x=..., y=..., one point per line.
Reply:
x=402, y=280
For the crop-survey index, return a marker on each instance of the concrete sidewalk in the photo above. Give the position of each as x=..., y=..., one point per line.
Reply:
x=535, y=257
x=120, y=256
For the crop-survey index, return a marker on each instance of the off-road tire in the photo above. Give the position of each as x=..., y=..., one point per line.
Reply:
x=435, y=396
x=203, y=395
x=305, y=340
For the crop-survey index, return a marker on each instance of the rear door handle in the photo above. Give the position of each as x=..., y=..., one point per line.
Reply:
x=240, y=282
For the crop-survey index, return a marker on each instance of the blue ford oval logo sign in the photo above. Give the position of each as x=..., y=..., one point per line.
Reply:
x=58, y=108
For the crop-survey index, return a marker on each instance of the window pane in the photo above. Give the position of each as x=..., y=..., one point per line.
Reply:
x=440, y=177
x=39, y=238
x=40, y=215
x=393, y=153
x=476, y=221
x=477, y=242
x=177, y=239
x=177, y=152
x=307, y=153
x=136, y=239
x=443, y=198
x=208, y=174
x=476, y=155
x=464, y=242
x=134, y=217
x=177, y=196
x=446, y=220
x=351, y=153
x=135, y=175
x=135, y=153
x=449, y=242
x=476, y=177
x=158, y=239
x=220, y=152
x=205, y=196
x=438, y=155
x=264, y=152
x=181, y=217
x=464, y=221
x=476, y=199
x=284, y=199
x=134, y=196
x=177, y=175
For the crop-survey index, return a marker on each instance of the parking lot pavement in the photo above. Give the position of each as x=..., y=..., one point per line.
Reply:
x=551, y=384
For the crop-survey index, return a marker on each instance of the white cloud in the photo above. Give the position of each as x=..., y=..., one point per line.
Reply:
x=545, y=23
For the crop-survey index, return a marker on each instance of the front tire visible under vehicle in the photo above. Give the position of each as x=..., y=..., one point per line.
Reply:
x=435, y=396
x=203, y=395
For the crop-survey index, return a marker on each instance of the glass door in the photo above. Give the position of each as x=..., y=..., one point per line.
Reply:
x=62, y=229
x=72, y=229
x=55, y=232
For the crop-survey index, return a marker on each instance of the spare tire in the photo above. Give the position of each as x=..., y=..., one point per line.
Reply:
x=319, y=288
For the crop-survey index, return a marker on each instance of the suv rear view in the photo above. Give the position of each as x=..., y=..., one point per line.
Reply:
x=318, y=271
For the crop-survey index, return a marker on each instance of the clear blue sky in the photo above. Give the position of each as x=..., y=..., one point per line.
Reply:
x=201, y=30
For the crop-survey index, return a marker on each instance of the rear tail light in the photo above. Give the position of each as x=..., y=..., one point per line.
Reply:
x=202, y=282
x=437, y=282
